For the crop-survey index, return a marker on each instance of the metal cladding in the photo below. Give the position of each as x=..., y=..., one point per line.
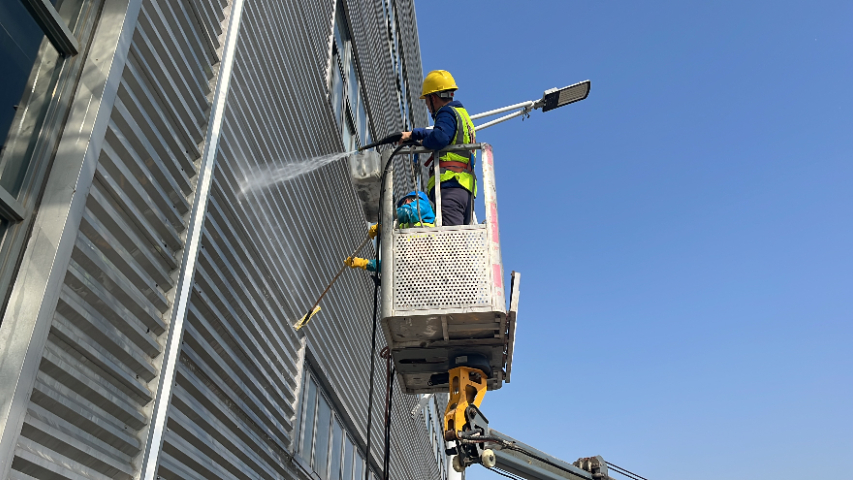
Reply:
x=264, y=255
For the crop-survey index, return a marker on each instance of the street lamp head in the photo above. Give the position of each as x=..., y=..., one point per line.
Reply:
x=558, y=97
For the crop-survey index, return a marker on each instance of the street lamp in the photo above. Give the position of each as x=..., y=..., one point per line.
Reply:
x=551, y=99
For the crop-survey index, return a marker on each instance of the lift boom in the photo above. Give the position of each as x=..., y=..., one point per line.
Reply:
x=480, y=444
x=527, y=462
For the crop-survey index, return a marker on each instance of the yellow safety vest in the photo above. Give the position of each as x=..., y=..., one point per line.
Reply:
x=464, y=134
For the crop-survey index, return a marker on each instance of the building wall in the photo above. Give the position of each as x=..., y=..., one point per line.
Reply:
x=92, y=306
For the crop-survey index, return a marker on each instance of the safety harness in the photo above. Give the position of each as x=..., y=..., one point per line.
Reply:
x=453, y=161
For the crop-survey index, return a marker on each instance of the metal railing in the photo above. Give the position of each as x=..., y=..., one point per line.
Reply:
x=465, y=147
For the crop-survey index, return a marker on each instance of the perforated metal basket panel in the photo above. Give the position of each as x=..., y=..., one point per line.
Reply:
x=441, y=270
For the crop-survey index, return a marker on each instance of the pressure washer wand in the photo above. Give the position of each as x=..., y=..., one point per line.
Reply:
x=393, y=138
x=316, y=307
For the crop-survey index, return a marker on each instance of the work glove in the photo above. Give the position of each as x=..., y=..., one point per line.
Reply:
x=363, y=263
x=372, y=231
x=355, y=262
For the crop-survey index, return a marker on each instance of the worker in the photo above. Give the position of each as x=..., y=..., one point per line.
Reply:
x=452, y=126
x=413, y=210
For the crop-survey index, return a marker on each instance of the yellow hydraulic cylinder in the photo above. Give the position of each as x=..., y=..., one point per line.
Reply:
x=467, y=387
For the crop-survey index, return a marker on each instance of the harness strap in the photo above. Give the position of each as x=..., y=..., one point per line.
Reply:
x=455, y=166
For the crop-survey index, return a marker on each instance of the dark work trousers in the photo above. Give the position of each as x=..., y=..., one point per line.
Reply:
x=455, y=205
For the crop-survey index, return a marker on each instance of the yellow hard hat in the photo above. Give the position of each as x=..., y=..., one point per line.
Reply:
x=438, y=81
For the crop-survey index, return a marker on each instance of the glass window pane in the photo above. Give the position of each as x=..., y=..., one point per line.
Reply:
x=308, y=421
x=20, y=39
x=321, y=444
x=362, y=122
x=69, y=10
x=337, y=93
x=341, y=27
x=392, y=22
x=348, y=134
x=432, y=429
x=368, y=138
x=346, y=470
x=406, y=113
x=339, y=37
x=426, y=414
x=352, y=82
x=335, y=453
x=358, y=467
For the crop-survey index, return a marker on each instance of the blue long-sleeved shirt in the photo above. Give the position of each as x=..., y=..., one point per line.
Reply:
x=444, y=130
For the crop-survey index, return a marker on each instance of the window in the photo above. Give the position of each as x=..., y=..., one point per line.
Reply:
x=32, y=62
x=358, y=467
x=310, y=407
x=337, y=88
x=348, y=135
x=321, y=438
x=394, y=48
x=336, y=447
x=39, y=45
x=432, y=417
x=345, y=93
x=352, y=82
x=326, y=444
x=363, y=129
x=347, y=467
x=20, y=39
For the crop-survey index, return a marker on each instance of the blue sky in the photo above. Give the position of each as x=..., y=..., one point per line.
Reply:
x=684, y=234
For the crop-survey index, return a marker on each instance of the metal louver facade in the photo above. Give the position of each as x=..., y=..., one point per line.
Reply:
x=90, y=318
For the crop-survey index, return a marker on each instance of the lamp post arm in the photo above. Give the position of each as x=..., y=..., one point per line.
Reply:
x=530, y=103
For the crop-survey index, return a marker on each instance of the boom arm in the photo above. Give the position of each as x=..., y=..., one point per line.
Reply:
x=532, y=464
x=477, y=443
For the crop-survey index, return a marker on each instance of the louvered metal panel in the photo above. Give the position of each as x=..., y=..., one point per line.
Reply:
x=268, y=253
x=265, y=256
x=89, y=406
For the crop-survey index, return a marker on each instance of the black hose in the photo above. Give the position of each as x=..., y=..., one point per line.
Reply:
x=627, y=473
x=393, y=138
x=372, y=369
x=390, y=404
x=376, y=282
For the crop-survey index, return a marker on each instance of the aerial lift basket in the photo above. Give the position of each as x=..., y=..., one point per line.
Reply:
x=443, y=293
